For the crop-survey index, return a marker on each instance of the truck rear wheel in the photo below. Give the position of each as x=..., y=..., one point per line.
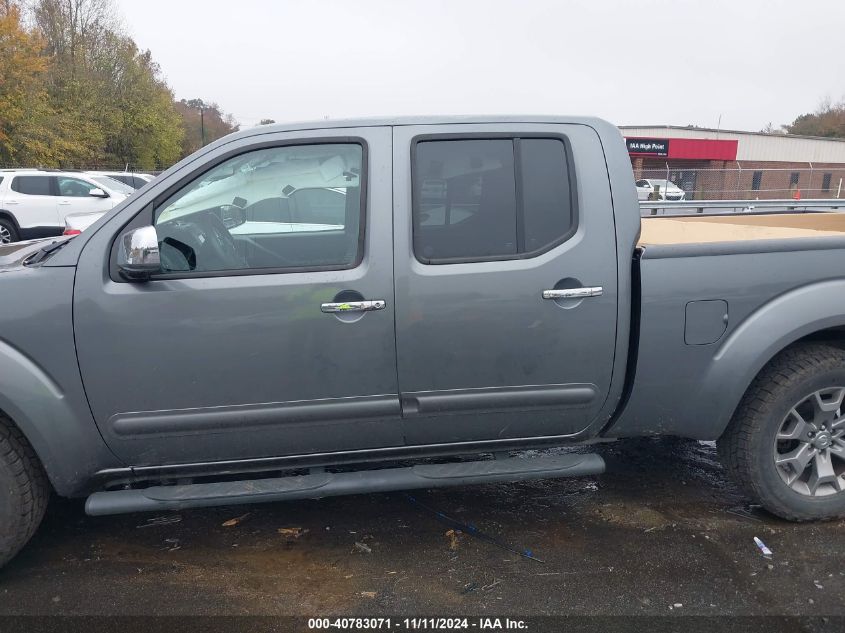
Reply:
x=23, y=491
x=785, y=445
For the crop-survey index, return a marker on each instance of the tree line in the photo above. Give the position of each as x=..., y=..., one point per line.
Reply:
x=828, y=120
x=76, y=91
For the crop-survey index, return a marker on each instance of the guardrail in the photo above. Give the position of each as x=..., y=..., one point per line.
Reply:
x=693, y=207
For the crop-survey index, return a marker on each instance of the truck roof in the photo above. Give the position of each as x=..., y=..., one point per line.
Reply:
x=423, y=120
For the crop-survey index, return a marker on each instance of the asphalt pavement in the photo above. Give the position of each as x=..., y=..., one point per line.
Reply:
x=661, y=533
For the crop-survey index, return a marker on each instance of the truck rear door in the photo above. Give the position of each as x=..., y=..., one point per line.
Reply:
x=505, y=280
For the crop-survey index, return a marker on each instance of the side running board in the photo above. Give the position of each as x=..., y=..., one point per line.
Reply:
x=325, y=484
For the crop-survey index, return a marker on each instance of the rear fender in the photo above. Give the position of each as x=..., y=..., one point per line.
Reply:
x=693, y=391
x=765, y=333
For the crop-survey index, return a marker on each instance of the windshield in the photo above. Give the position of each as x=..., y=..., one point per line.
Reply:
x=113, y=185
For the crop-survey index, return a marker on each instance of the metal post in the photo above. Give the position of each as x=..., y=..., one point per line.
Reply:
x=810, y=183
x=202, y=125
x=839, y=190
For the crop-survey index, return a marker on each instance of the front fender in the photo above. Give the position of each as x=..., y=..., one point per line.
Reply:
x=40, y=386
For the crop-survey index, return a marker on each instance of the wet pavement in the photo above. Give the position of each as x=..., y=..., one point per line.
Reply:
x=660, y=533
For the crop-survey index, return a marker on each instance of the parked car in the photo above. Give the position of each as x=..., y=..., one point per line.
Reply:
x=133, y=179
x=662, y=190
x=34, y=203
x=481, y=286
x=75, y=223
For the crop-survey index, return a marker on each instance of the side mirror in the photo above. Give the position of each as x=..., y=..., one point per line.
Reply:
x=138, y=255
x=97, y=193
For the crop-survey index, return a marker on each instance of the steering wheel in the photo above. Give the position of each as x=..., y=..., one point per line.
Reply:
x=219, y=250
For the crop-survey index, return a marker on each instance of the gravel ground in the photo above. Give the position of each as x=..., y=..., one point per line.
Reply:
x=661, y=533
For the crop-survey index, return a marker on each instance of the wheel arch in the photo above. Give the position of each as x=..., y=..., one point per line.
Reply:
x=812, y=313
x=67, y=446
x=8, y=215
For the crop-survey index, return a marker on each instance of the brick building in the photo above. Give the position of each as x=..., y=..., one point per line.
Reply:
x=722, y=164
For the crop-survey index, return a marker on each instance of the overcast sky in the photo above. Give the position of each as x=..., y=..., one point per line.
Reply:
x=633, y=62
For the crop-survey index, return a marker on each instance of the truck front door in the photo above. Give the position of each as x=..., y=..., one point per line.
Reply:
x=269, y=330
x=506, y=280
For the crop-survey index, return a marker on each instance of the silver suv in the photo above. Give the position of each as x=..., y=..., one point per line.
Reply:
x=34, y=203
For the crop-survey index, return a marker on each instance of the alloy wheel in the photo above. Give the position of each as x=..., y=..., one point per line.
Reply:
x=809, y=448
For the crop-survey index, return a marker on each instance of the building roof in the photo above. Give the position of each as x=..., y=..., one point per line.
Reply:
x=695, y=128
x=754, y=146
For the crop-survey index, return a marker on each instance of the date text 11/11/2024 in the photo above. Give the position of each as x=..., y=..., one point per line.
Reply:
x=417, y=624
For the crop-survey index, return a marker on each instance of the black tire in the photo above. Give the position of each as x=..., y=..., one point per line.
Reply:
x=24, y=491
x=8, y=231
x=748, y=447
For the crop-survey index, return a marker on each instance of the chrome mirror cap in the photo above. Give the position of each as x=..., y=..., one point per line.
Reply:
x=138, y=256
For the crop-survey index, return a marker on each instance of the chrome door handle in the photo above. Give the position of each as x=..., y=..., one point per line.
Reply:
x=573, y=293
x=353, y=306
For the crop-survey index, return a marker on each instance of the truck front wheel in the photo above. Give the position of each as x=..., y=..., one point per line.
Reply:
x=785, y=445
x=23, y=491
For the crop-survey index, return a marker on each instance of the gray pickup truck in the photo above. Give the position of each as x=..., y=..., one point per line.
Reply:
x=322, y=309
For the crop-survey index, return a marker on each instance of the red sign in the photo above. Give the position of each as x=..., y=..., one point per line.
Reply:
x=686, y=148
x=702, y=149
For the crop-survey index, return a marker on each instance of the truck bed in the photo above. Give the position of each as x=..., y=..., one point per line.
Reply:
x=739, y=228
x=718, y=297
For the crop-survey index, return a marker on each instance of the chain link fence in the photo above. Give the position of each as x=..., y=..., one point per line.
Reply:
x=738, y=183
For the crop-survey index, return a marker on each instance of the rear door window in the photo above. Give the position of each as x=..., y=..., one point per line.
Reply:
x=487, y=199
x=466, y=200
x=33, y=185
x=546, y=198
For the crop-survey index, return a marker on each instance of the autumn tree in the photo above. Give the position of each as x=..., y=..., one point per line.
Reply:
x=828, y=120
x=117, y=108
x=203, y=123
x=142, y=125
x=22, y=94
x=76, y=91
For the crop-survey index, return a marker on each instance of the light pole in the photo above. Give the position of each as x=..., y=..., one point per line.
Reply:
x=202, y=125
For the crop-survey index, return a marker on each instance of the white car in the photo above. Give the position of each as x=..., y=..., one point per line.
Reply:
x=34, y=203
x=75, y=223
x=134, y=180
x=668, y=189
